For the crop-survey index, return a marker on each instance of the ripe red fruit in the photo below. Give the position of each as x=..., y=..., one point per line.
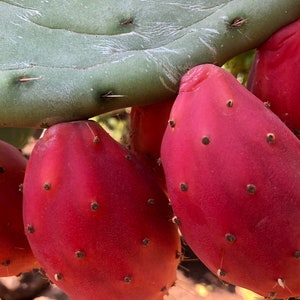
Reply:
x=232, y=172
x=95, y=217
x=15, y=253
x=147, y=127
x=275, y=73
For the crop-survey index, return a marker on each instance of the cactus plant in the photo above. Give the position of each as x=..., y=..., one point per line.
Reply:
x=72, y=60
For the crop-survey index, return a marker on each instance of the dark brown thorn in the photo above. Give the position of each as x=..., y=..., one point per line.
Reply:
x=30, y=229
x=251, y=189
x=270, y=138
x=183, y=187
x=172, y=123
x=6, y=263
x=58, y=276
x=80, y=254
x=230, y=237
x=205, y=140
x=47, y=186
x=127, y=279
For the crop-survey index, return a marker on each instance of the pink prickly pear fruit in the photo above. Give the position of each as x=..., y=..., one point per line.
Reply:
x=15, y=253
x=147, y=127
x=95, y=217
x=274, y=76
x=233, y=170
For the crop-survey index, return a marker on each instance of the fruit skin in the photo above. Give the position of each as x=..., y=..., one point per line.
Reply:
x=15, y=253
x=147, y=127
x=275, y=73
x=96, y=219
x=232, y=172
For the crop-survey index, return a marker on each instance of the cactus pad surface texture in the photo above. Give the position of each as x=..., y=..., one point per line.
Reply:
x=69, y=60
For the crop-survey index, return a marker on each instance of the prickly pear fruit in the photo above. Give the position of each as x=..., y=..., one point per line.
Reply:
x=95, y=217
x=232, y=172
x=147, y=127
x=275, y=73
x=15, y=253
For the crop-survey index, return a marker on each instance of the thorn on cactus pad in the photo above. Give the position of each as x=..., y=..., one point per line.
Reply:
x=221, y=273
x=229, y=103
x=6, y=263
x=127, y=279
x=28, y=79
x=80, y=254
x=205, y=140
x=271, y=138
x=95, y=205
x=237, y=22
x=58, y=276
x=21, y=187
x=111, y=95
x=230, y=237
x=183, y=187
x=47, y=186
x=127, y=21
x=251, y=189
x=30, y=229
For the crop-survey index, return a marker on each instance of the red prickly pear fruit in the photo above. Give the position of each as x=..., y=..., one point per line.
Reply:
x=147, y=127
x=275, y=72
x=95, y=217
x=15, y=253
x=233, y=170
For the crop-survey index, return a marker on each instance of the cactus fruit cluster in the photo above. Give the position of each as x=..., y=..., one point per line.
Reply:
x=210, y=160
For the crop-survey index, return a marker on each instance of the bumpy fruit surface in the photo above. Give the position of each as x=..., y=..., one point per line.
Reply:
x=232, y=171
x=95, y=217
x=15, y=253
x=275, y=73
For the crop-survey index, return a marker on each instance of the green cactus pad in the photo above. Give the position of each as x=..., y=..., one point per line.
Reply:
x=68, y=60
